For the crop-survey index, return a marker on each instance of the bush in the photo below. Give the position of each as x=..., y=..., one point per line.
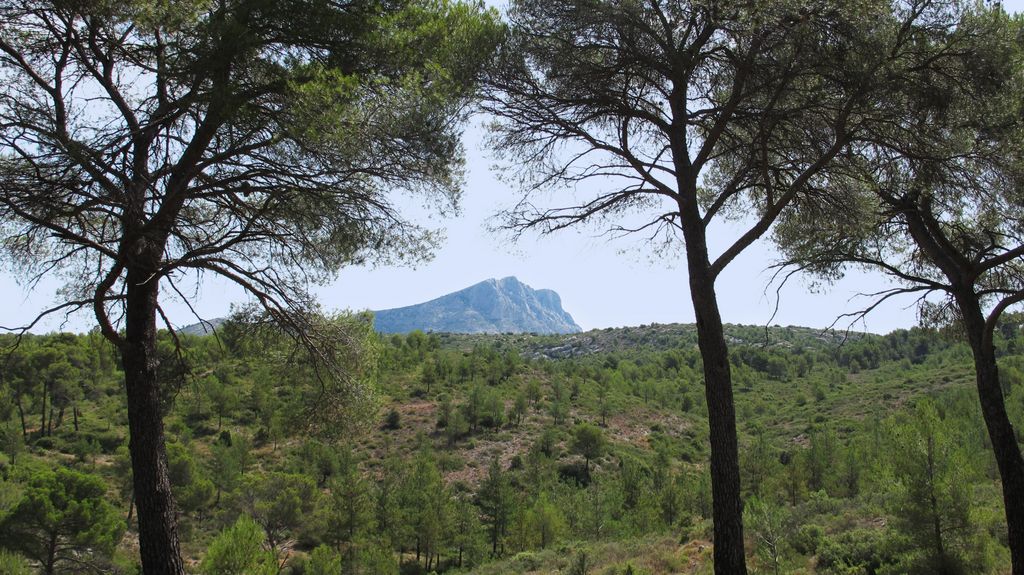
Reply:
x=859, y=550
x=412, y=568
x=450, y=462
x=261, y=437
x=807, y=539
x=526, y=561
x=378, y=560
x=393, y=420
x=580, y=565
x=84, y=449
x=238, y=550
x=108, y=441
x=574, y=471
x=323, y=560
x=13, y=564
x=47, y=443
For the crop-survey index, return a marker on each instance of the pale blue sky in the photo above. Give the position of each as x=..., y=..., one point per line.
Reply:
x=602, y=283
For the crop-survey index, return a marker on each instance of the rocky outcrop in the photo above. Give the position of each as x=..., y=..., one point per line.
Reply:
x=493, y=306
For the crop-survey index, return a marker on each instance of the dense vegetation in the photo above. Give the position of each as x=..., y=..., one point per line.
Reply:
x=143, y=142
x=514, y=453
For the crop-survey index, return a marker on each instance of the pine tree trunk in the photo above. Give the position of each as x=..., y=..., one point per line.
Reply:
x=21, y=416
x=1000, y=431
x=933, y=501
x=49, y=567
x=42, y=415
x=727, y=508
x=157, y=516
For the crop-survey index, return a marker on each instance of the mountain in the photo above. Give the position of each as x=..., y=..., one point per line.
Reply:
x=492, y=306
x=202, y=328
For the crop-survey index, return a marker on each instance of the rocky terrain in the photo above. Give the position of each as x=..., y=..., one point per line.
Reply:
x=492, y=306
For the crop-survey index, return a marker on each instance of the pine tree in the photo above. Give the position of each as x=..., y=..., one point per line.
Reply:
x=495, y=500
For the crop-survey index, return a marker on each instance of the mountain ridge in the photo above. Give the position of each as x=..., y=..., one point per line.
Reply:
x=492, y=306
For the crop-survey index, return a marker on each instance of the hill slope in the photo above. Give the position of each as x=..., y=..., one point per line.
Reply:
x=830, y=428
x=492, y=306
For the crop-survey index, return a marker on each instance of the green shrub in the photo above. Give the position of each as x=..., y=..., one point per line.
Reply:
x=807, y=539
x=323, y=560
x=580, y=565
x=238, y=550
x=856, y=551
x=46, y=443
x=84, y=449
x=108, y=441
x=393, y=420
x=13, y=564
x=526, y=561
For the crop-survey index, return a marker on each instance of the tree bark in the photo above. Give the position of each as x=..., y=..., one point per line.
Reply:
x=21, y=416
x=933, y=500
x=157, y=516
x=727, y=508
x=1000, y=430
x=49, y=568
x=42, y=415
x=962, y=274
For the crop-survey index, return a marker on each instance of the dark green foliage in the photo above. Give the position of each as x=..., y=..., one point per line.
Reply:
x=864, y=550
x=579, y=565
x=323, y=561
x=256, y=141
x=193, y=490
x=228, y=462
x=807, y=539
x=932, y=500
x=393, y=420
x=482, y=501
x=61, y=519
x=280, y=503
x=588, y=441
x=348, y=514
x=495, y=500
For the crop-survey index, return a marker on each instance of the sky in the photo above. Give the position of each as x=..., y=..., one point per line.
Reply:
x=602, y=282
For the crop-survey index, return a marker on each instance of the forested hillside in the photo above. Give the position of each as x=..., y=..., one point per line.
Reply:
x=584, y=453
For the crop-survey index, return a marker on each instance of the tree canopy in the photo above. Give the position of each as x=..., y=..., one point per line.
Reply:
x=260, y=141
x=667, y=118
x=62, y=521
x=933, y=200
x=146, y=142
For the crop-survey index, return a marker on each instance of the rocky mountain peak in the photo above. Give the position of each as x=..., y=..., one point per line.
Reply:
x=492, y=306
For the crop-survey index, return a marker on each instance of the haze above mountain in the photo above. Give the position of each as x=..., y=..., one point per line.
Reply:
x=492, y=306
